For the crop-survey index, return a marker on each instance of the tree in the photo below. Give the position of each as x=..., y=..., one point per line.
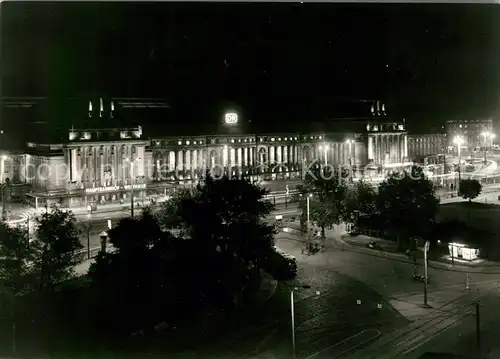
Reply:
x=361, y=198
x=16, y=271
x=58, y=238
x=16, y=259
x=469, y=189
x=407, y=204
x=327, y=194
x=230, y=215
x=169, y=215
x=173, y=279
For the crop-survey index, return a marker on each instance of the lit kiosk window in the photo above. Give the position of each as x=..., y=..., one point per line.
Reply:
x=231, y=118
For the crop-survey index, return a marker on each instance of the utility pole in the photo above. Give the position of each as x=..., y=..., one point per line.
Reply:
x=88, y=227
x=4, y=212
x=28, y=230
x=308, y=226
x=292, y=312
x=478, y=330
x=132, y=182
x=426, y=249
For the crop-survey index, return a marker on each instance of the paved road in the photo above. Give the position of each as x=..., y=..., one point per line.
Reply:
x=461, y=338
x=391, y=278
x=335, y=313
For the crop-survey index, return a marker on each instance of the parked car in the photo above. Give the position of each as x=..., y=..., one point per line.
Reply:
x=280, y=265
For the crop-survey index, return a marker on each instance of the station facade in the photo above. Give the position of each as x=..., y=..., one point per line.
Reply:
x=103, y=165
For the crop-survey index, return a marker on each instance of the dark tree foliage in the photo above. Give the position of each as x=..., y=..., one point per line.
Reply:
x=469, y=189
x=361, y=198
x=154, y=277
x=327, y=193
x=16, y=258
x=58, y=238
x=169, y=217
x=407, y=204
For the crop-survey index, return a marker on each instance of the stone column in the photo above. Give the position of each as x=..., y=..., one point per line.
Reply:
x=245, y=156
x=179, y=160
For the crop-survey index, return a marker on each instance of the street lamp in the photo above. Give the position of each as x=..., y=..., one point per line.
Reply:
x=426, y=249
x=292, y=312
x=350, y=143
x=132, y=182
x=308, y=216
x=88, y=228
x=325, y=149
x=487, y=144
x=225, y=158
x=458, y=140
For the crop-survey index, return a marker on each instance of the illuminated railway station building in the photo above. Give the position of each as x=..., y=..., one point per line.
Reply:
x=103, y=163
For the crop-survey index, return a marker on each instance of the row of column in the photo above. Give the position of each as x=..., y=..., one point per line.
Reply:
x=185, y=160
x=104, y=165
x=385, y=149
x=279, y=154
x=260, y=156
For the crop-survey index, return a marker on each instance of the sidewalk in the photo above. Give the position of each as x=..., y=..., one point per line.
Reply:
x=388, y=250
x=358, y=244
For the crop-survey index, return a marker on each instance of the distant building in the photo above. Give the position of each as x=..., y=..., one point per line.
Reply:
x=421, y=146
x=472, y=133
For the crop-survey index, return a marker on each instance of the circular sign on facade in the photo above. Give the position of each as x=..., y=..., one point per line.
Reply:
x=231, y=118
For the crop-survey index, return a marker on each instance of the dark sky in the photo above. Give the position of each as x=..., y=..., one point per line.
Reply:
x=430, y=62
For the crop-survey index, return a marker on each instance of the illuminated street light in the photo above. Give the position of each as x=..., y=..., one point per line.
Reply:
x=325, y=149
x=487, y=144
x=350, y=143
x=132, y=174
x=292, y=313
x=225, y=157
x=459, y=141
x=231, y=118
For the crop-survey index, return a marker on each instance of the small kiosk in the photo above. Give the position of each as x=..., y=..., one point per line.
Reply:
x=463, y=251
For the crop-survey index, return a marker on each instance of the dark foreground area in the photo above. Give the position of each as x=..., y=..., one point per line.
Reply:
x=344, y=308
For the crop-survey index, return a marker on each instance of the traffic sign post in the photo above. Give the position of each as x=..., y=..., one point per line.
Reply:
x=426, y=249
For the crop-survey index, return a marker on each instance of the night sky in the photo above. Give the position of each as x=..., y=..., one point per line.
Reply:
x=280, y=61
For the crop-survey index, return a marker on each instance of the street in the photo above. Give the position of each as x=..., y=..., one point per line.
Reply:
x=355, y=300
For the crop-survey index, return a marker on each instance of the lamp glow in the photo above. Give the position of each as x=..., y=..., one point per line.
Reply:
x=231, y=118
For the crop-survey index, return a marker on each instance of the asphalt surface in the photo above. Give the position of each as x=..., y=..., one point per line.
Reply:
x=334, y=315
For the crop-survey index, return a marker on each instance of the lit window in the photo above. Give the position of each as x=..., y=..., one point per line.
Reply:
x=232, y=140
x=320, y=137
x=187, y=142
x=272, y=139
x=286, y=139
x=194, y=142
x=179, y=143
x=279, y=139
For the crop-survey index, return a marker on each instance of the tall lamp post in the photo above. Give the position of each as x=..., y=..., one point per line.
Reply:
x=308, y=216
x=458, y=140
x=325, y=149
x=426, y=276
x=488, y=142
x=292, y=313
x=350, y=143
x=132, y=183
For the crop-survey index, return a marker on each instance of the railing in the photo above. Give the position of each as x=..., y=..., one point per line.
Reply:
x=94, y=251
